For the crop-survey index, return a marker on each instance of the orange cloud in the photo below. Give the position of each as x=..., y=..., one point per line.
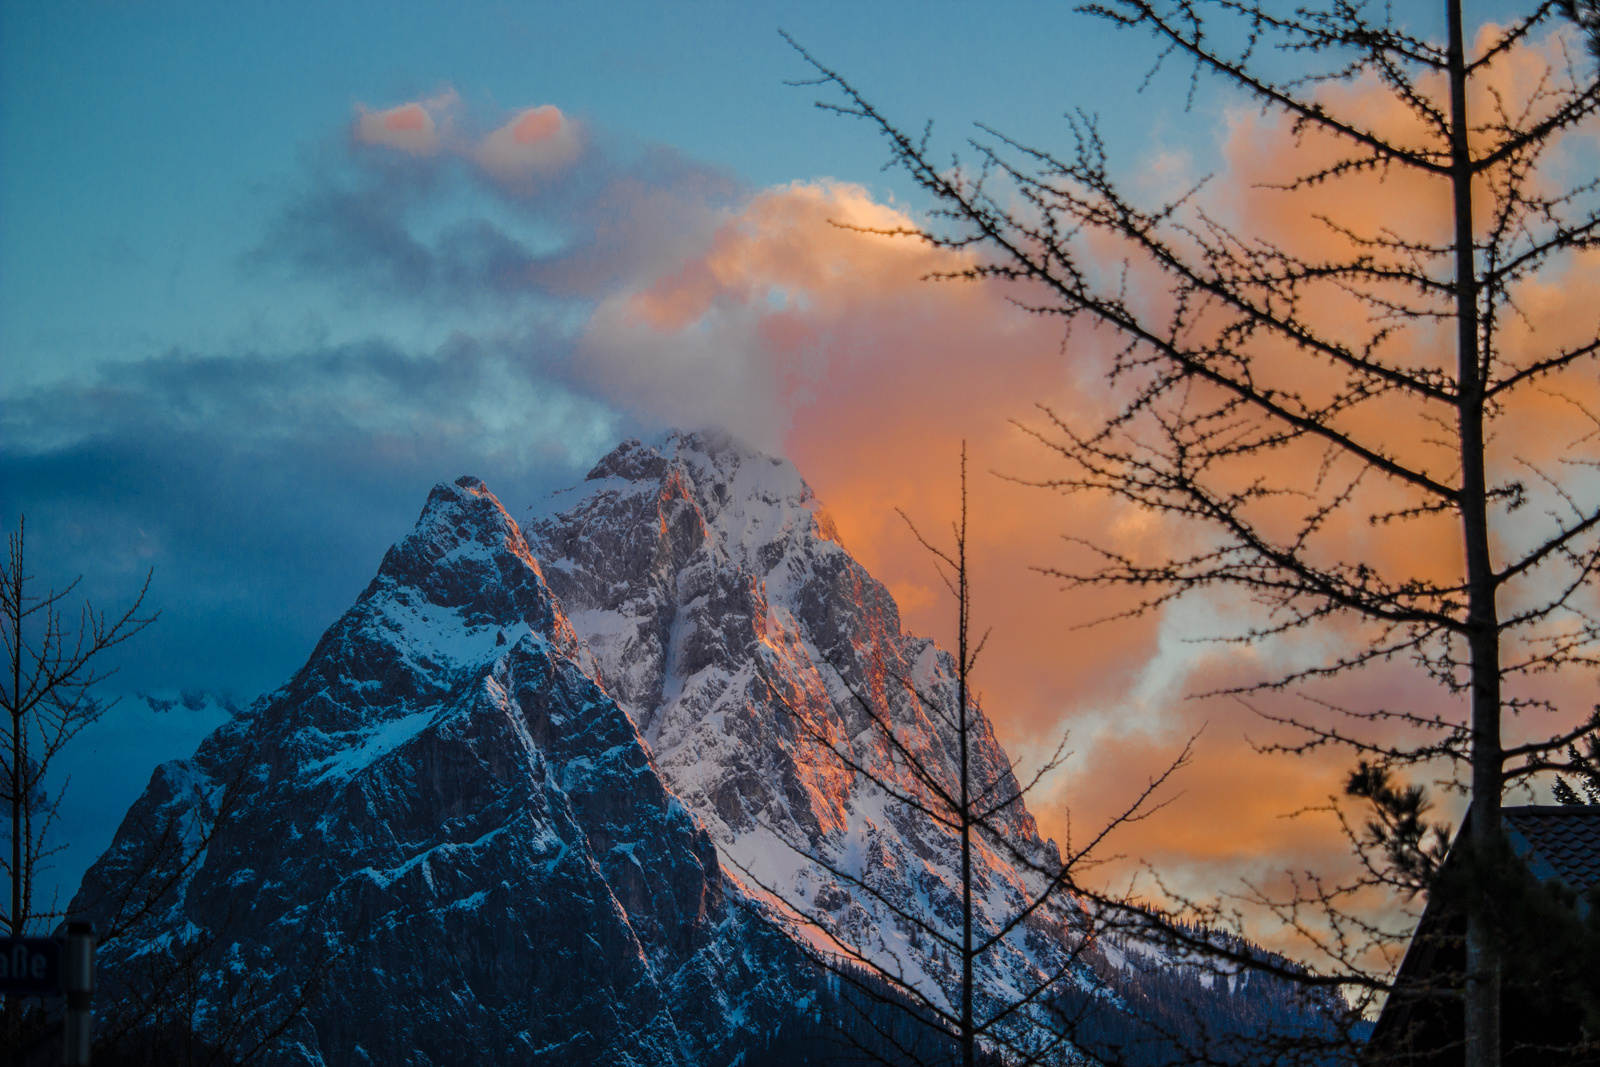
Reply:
x=795, y=328
x=827, y=343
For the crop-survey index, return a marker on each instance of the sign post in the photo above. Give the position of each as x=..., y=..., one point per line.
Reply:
x=77, y=1039
x=49, y=967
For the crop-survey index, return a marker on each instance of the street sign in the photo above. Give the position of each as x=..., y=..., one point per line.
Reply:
x=30, y=966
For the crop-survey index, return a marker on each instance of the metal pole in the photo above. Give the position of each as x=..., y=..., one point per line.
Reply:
x=78, y=1036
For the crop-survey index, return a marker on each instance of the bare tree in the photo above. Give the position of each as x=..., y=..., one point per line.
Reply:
x=157, y=1013
x=1274, y=402
x=973, y=802
x=47, y=702
x=53, y=666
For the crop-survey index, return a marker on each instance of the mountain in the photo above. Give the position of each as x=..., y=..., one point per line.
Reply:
x=558, y=792
x=441, y=835
x=748, y=646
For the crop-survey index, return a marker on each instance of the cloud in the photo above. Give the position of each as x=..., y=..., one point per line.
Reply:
x=263, y=489
x=533, y=144
x=415, y=127
x=533, y=214
x=794, y=329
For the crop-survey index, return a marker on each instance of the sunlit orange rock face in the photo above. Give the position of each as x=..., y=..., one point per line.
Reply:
x=751, y=651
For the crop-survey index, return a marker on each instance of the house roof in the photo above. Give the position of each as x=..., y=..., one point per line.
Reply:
x=1559, y=841
x=1421, y=1025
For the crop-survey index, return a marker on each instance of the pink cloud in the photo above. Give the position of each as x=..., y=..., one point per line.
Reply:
x=536, y=142
x=415, y=127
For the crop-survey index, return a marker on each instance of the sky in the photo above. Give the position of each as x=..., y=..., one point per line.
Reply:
x=269, y=272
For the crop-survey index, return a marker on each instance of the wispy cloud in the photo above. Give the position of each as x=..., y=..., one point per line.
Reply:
x=533, y=144
x=420, y=207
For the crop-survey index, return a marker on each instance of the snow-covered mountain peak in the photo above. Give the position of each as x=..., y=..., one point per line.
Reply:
x=448, y=598
x=746, y=643
x=747, y=503
x=465, y=542
x=505, y=788
x=443, y=810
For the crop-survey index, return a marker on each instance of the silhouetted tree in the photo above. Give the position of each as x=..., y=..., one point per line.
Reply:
x=1276, y=403
x=169, y=1012
x=51, y=666
x=1585, y=766
x=1586, y=13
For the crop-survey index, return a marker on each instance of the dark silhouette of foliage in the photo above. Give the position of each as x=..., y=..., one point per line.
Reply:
x=1399, y=831
x=1585, y=766
x=1586, y=13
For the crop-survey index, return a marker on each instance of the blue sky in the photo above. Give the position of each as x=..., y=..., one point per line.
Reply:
x=177, y=397
x=237, y=347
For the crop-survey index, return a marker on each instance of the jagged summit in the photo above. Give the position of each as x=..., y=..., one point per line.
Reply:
x=742, y=491
x=719, y=606
x=443, y=597
x=442, y=810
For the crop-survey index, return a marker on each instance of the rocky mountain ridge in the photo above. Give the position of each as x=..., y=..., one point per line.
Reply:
x=442, y=834
x=562, y=790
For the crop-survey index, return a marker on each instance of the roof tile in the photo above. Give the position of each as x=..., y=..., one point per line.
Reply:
x=1567, y=837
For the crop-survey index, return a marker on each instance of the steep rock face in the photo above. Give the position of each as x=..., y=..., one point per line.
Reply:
x=443, y=835
x=751, y=649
